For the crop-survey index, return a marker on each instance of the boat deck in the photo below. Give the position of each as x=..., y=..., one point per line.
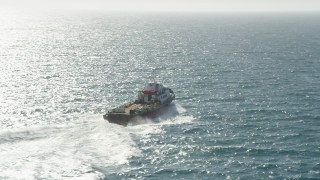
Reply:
x=137, y=107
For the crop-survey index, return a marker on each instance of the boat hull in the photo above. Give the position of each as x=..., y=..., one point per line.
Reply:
x=124, y=119
x=121, y=119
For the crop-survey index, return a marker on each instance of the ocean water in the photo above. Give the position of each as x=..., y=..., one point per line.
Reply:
x=247, y=88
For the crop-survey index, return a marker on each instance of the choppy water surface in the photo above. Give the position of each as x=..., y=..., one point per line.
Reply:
x=247, y=90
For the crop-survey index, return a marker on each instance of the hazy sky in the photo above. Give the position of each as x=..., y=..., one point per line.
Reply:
x=170, y=5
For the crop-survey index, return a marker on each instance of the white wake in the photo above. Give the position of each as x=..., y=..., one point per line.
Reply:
x=70, y=151
x=85, y=149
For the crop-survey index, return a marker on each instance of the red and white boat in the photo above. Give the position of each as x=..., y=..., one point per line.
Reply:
x=151, y=101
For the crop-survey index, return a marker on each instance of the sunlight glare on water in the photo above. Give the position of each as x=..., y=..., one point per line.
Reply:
x=247, y=95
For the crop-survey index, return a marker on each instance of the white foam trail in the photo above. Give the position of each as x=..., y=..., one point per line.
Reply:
x=86, y=149
x=145, y=130
x=65, y=151
x=175, y=115
x=179, y=108
x=147, y=127
x=178, y=120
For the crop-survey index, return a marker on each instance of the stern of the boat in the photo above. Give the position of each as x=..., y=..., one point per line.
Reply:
x=120, y=119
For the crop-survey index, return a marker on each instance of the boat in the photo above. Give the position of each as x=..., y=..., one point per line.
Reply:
x=152, y=100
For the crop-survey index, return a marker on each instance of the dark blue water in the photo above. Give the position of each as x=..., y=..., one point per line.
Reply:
x=247, y=88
